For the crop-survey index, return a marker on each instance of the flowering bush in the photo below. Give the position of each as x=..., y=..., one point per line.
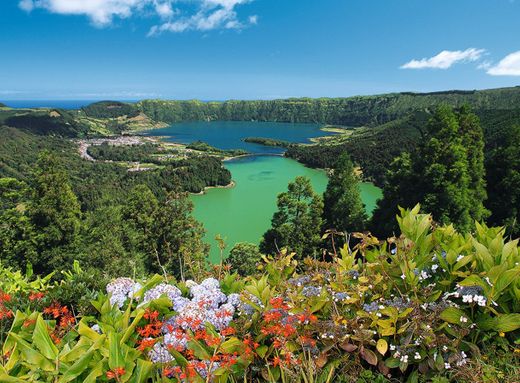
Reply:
x=419, y=306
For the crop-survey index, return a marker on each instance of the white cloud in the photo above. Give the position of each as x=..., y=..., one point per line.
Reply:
x=212, y=14
x=205, y=14
x=26, y=5
x=100, y=12
x=445, y=59
x=508, y=66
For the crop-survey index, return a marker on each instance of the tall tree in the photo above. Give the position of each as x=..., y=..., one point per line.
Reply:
x=16, y=244
x=55, y=214
x=397, y=192
x=297, y=223
x=503, y=175
x=343, y=209
x=473, y=140
x=445, y=174
x=138, y=213
x=178, y=247
x=243, y=258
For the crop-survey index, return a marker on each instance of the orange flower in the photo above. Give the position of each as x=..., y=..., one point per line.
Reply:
x=116, y=373
x=278, y=303
x=36, y=296
x=4, y=297
x=56, y=310
x=228, y=331
x=150, y=315
x=28, y=322
x=5, y=312
x=67, y=320
x=146, y=343
x=169, y=371
x=272, y=316
x=276, y=361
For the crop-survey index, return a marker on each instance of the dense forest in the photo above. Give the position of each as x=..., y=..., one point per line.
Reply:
x=374, y=151
x=268, y=142
x=353, y=111
x=110, y=109
x=57, y=206
x=324, y=297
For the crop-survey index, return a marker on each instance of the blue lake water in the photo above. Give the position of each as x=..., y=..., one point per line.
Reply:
x=230, y=134
x=243, y=213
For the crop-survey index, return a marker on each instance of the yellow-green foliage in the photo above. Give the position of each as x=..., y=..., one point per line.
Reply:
x=429, y=305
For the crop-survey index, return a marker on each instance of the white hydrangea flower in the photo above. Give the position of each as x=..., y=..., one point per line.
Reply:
x=160, y=354
x=121, y=289
x=170, y=291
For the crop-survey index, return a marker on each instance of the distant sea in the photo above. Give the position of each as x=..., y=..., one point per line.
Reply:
x=61, y=104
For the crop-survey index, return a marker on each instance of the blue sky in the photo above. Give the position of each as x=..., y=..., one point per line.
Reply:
x=254, y=49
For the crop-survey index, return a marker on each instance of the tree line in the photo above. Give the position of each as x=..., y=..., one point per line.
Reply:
x=42, y=223
x=445, y=173
x=353, y=111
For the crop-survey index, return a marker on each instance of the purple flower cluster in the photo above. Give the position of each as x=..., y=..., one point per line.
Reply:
x=122, y=289
x=170, y=291
x=208, y=304
x=160, y=354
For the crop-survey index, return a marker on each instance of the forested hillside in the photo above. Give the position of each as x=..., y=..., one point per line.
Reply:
x=353, y=111
x=110, y=109
x=438, y=298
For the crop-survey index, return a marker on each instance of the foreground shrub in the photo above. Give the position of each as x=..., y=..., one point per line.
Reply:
x=430, y=305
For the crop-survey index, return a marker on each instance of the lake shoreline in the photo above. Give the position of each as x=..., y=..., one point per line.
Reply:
x=231, y=185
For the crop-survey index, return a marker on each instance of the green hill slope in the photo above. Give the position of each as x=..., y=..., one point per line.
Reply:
x=353, y=111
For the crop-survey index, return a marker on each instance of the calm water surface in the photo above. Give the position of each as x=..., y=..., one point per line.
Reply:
x=243, y=213
x=230, y=134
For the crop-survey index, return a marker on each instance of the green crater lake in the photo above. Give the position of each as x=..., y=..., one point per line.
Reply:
x=243, y=213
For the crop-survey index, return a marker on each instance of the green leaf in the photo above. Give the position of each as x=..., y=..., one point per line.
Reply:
x=413, y=378
x=42, y=339
x=82, y=363
x=262, y=350
x=31, y=356
x=77, y=351
x=474, y=280
x=115, y=356
x=439, y=362
x=231, y=345
x=142, y=372
x=483, y=255
x=452, y=315
x=392, y=363
x=4, y=378
x=179, y=358
x=95, y=373
x=463, y=262
x=508, y=322
x=199, y=350
x=130, y=329
x=87, y=332
x=504, y=281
